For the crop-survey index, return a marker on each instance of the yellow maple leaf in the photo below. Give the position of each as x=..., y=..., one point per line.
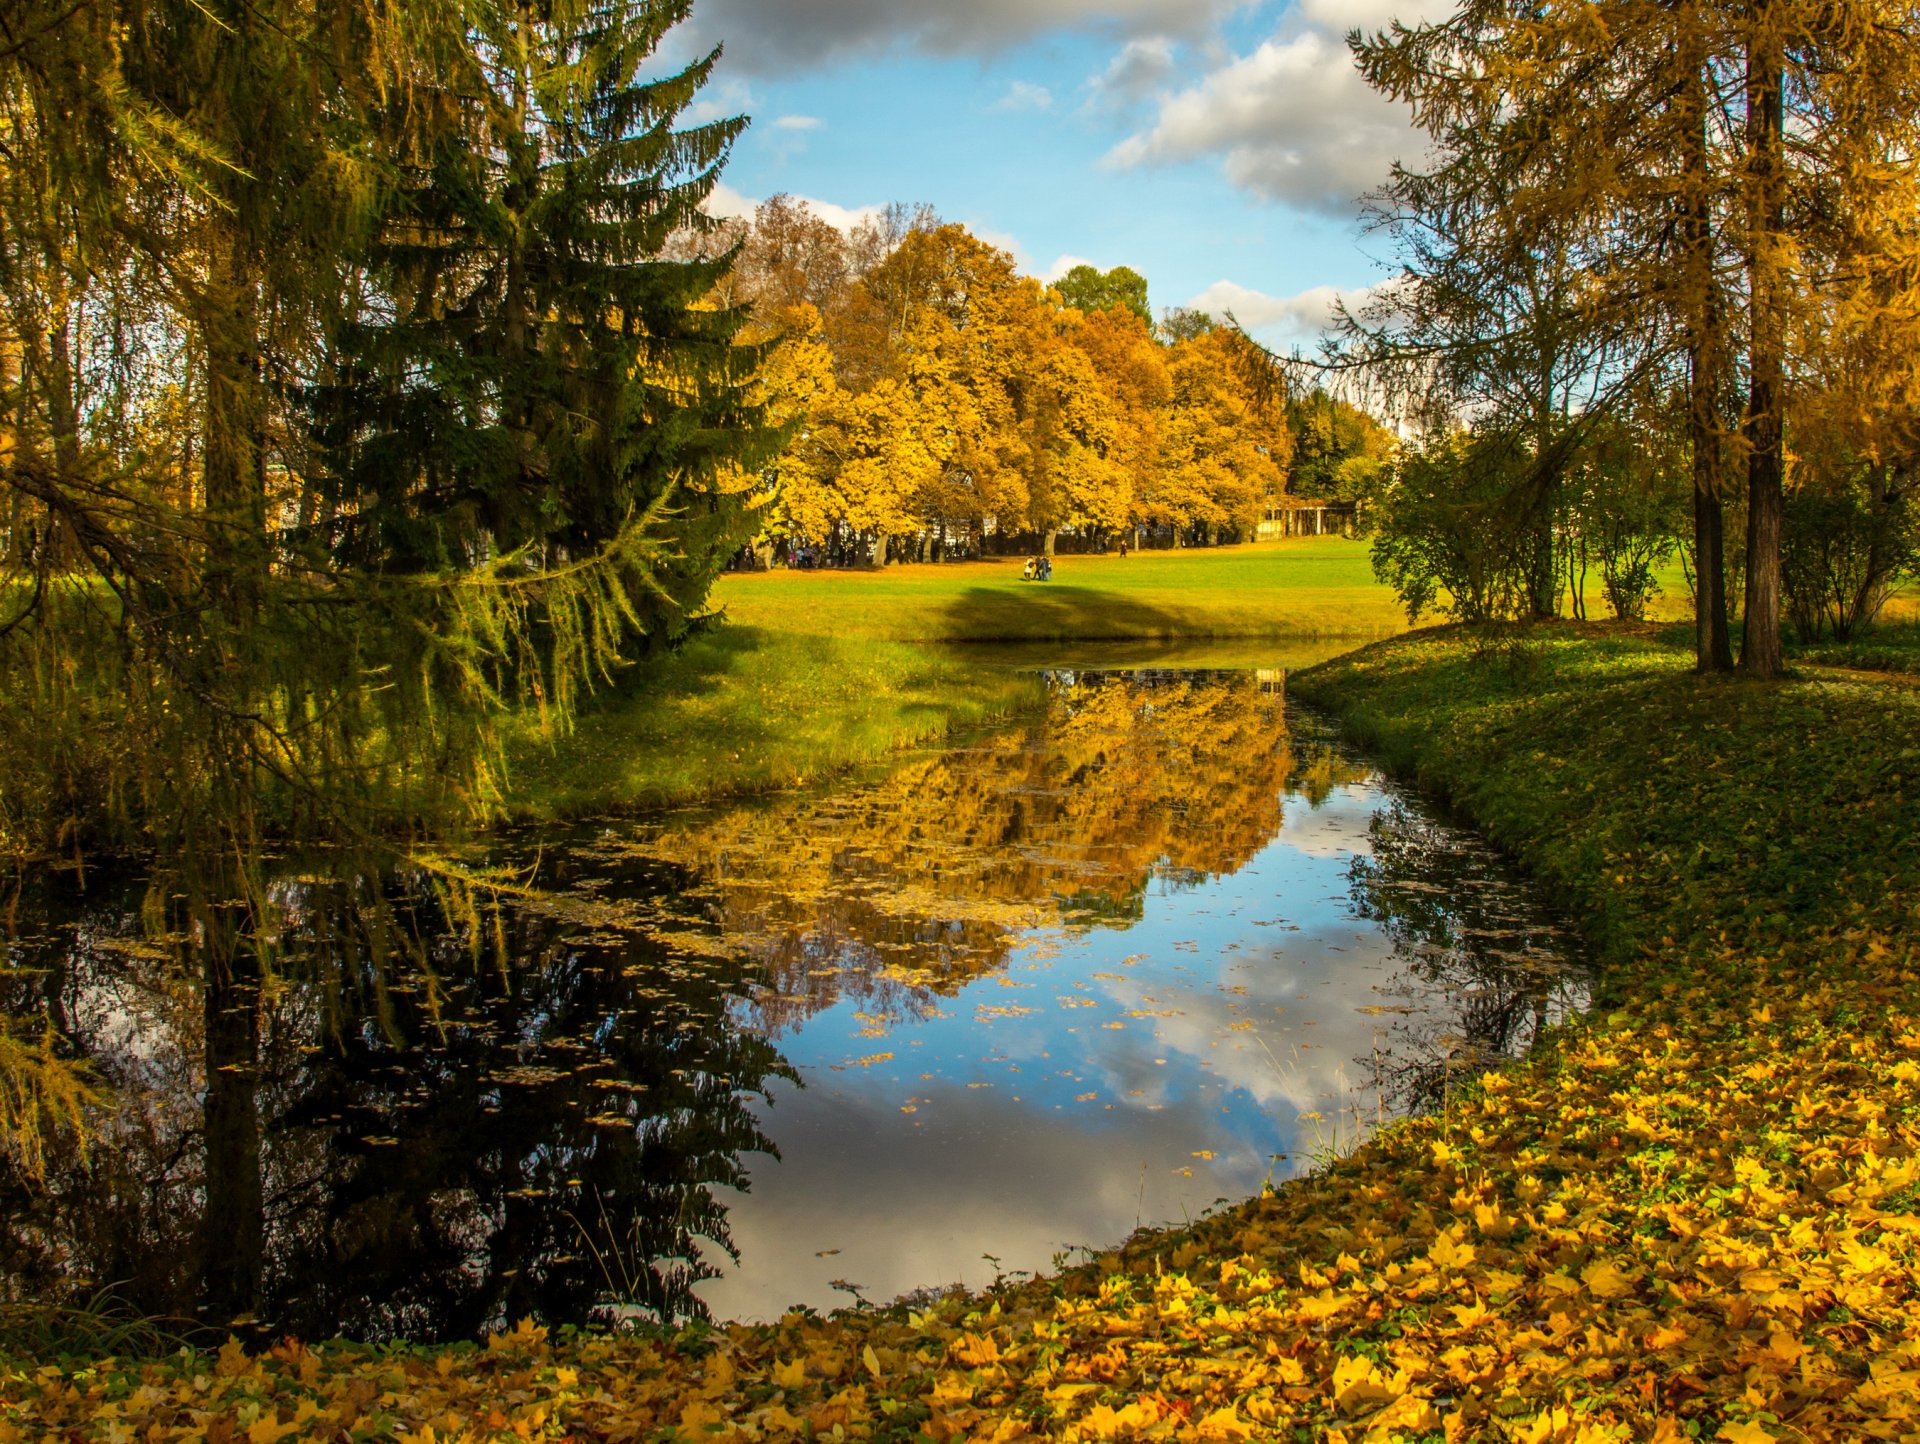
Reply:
x=1763, y=1281
x=1226, y=1423
x=790, y=1375
x=1104, y=1422
x=1471, y=1315
x=1606, y=1280
x=974, y=1350
x=1358, y=1386
x=1746, y=1432
x=270, y=1431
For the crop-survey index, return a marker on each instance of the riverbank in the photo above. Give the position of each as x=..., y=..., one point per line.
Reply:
x=1689, y=1215
x=810, y=673
x=1299, y=590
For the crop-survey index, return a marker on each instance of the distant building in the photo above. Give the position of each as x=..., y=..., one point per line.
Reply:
x=1303, y=516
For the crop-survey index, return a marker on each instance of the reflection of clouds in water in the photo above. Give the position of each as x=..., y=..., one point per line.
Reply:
x=1339, y=827
x=1301, y=1059
x=907, y=1207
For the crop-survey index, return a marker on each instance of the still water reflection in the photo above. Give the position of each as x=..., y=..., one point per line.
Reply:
x=1099, y=969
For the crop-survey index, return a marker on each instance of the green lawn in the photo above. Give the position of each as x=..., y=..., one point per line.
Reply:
x=748, y=709
x=1296, y=589
x=810, y=673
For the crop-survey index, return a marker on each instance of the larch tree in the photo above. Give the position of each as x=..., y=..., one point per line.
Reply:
x=1679, y=145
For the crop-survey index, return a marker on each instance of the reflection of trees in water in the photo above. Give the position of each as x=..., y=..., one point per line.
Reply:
x=386, y=1133
x=1484, y=969
x=904, y=890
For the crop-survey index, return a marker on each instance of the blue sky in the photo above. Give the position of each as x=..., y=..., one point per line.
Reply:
x=1216, y=147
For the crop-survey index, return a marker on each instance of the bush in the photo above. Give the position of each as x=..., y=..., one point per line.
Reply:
x=1841, y=555
x=1451, y=537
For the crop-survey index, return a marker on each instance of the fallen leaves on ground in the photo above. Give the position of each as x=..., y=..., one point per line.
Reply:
x=1690, y=1217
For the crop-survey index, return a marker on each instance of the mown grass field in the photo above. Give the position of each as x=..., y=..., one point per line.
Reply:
x=813, y=672
x=1691, y=1215
x=1303, y=589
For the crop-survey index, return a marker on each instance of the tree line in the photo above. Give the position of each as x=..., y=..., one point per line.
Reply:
x=1655, y=280
x=943, y=404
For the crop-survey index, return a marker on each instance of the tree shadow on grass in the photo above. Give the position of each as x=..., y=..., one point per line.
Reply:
x=1053, y=612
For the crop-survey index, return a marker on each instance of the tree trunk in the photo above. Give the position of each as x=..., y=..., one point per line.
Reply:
x=1760, y=649
x=1872, y=595
x=233, y=446
x=1713, y=643
x=232, y=1228
x=1047, y=540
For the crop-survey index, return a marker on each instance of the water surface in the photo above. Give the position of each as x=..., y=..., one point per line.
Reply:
x=1098, y=969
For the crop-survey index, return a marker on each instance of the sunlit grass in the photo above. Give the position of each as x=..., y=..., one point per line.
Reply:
x=748, y=709
x=1296, y=589
x=814, y=672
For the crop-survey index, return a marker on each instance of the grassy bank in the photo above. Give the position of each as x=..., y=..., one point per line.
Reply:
x=1304, y=589
x=747, y=709
x=1689, y=1216
x=813, y=672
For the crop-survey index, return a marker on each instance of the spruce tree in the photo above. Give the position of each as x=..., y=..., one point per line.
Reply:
x=529, y=376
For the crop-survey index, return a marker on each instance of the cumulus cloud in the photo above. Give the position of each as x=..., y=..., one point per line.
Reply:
x=798, y=122
x=1299, y=316
x=1025, y=95
x=1005, y=241
x=777, y=36
x=1143, y=65
x=727, y=203
x=1061, y=265
x=721, y=99
x=1292, y=120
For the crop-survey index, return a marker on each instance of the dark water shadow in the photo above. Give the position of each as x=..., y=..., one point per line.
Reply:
x=413, y=1118
x=414, y=1112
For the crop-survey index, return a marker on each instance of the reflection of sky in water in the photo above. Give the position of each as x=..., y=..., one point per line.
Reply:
x=1104, y=967
x=1106, y=1079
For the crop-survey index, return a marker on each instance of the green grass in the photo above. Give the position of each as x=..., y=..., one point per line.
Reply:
x=1892, y=646
x=1686, y=819
x=811, y=673
x=749, y=709
x=1318, y=588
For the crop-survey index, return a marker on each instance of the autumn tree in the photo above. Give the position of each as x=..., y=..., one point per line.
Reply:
x=1678, y=148
x=1224, y=447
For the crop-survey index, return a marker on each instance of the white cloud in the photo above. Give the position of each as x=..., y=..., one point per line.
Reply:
x=1292, y=120
x=726, y=203
x=720, y=100
x=798, y=122
x=1143, y=65
x=1006, y=241
x=780, y=36
x=1297, y=317
x=1025, y=95
x=1341, y=16
x=842, y=218
x=1061, y=265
